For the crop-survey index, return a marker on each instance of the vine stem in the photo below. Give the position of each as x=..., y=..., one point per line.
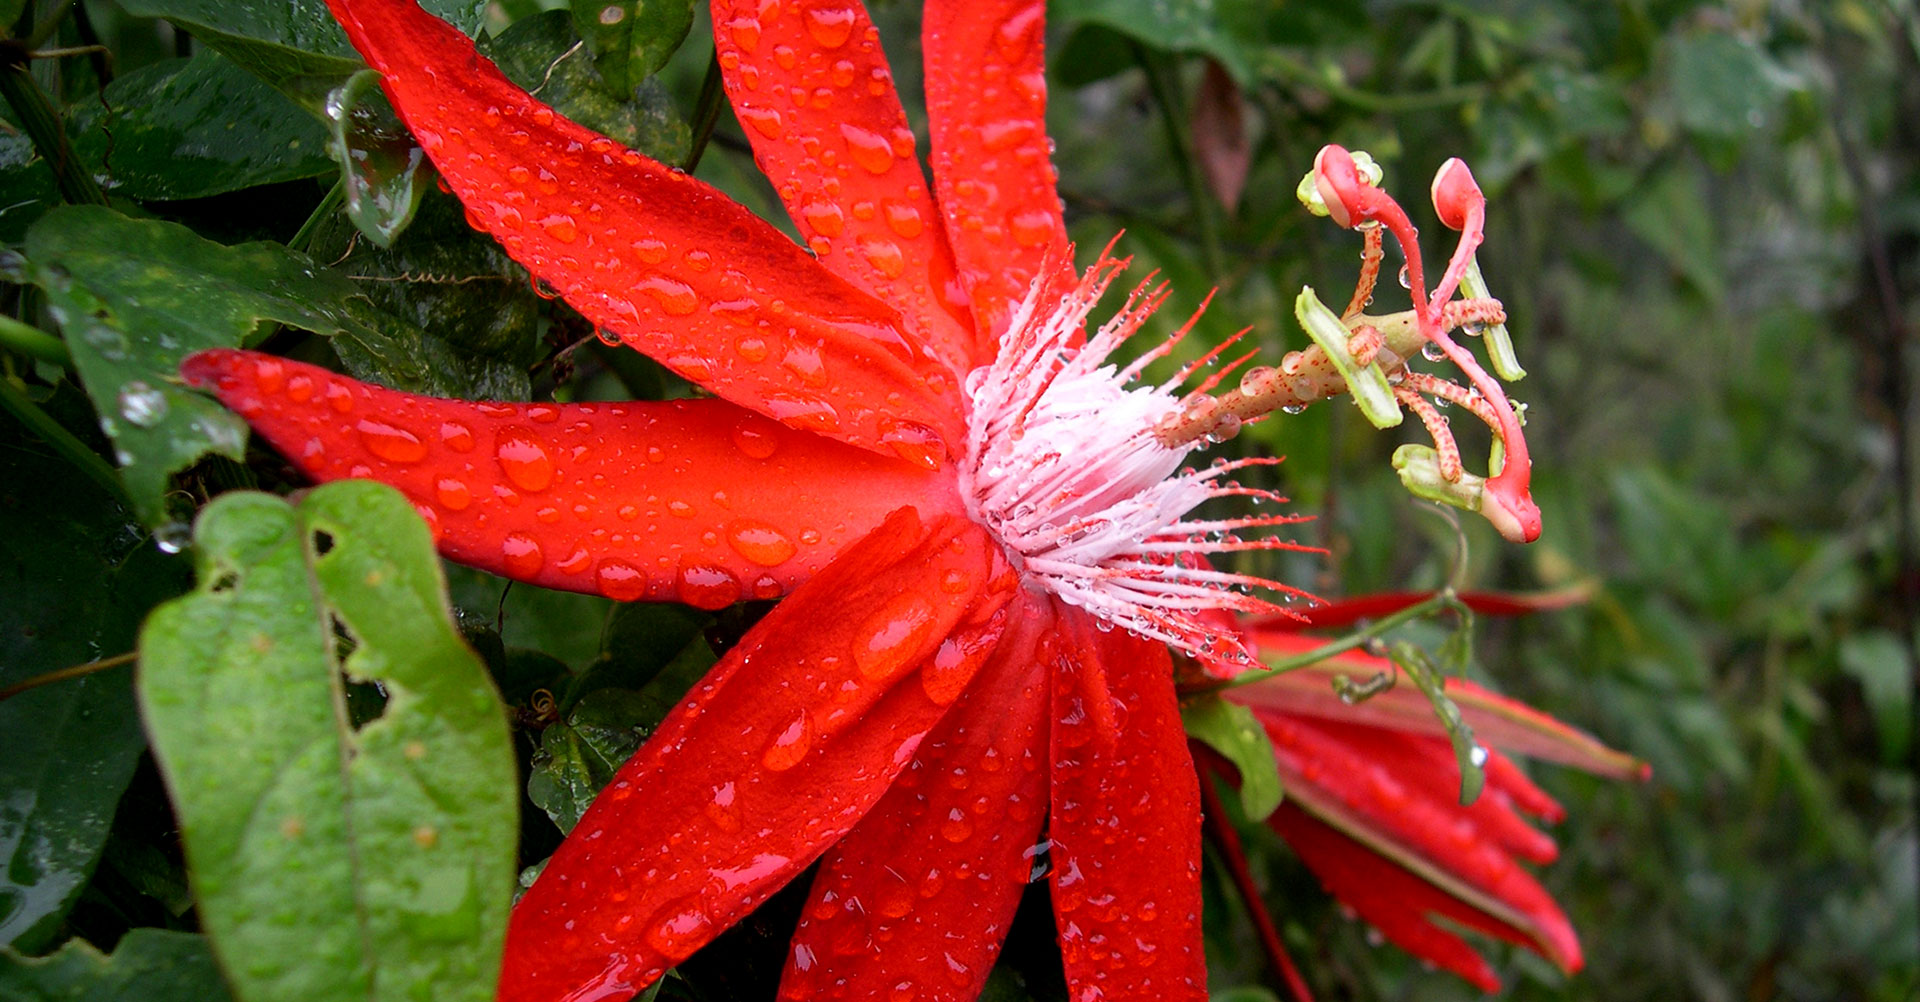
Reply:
x=706, y=113
x=34, y=342
x=1220, y=831
x=1444, y=598
x=15, y=402
x=77, y=671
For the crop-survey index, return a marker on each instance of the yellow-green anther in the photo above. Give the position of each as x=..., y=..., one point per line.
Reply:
x=1506, y=364
x=1370, y=171
x=1366, y=382
x=1309, y=195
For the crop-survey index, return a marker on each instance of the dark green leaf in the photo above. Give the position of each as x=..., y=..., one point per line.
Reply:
x=1876, y=660
x=1670, y=212
x=77, y=577
x=148, y=965
x=136, y=296
x=1467, y=753
x=1234, y=732
x=1223, y=29
x=380, y=164
x=579, y=755
x=1722, y=85
x=328, y=858
x=190, y=128
x=630, y=39
x=27, y=188
x=543, y=54
x=282, y=41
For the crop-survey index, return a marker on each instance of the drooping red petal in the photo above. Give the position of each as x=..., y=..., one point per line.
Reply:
x=671, y=265
x=992, y=160
x=696, y=501
x=1504, y=723
x=1395, y=794
x=1125, y=819
x=770, y=760
x=1393, y=900
x=813, y=88
x=915, y=902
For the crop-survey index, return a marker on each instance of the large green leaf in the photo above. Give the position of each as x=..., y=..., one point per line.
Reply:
x=149, y=965
x=630, y=39
x=283, y=41
x=77, y=577
x=1227, y=30
x=136, y=296
x=543, y=54
x=190, y=128
x=579, y=755
x=332, y=859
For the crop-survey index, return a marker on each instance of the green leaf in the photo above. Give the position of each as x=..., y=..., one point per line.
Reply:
x=1877, y=661
x=134, y=297
x=77, y=577
x=148, y=965
x=292, y=44
x=580, y=755
x=1467, y=753
x=1670, y=212
x=380, y=164
x=332, y=860
x=27, y=187
x=1234, y=732
x=1227, y=30
x=191, y=128
x=630, y=39
x=1722, y=85
x=543, y=54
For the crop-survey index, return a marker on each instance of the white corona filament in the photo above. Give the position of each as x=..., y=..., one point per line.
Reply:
x=1064, y=466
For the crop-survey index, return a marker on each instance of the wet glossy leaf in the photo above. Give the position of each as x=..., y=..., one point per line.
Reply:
x=190, y=128
x=27, y=188
x=148, y=965
x=134, y=297
x=282, y=41
x=383, y=169
x=1234, y=732
x=579, y=755
x=332, y=860
x=630, y=39
x=77, y=576
x=543, y=53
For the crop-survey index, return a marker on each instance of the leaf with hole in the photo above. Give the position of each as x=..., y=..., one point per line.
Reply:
x=332, y=858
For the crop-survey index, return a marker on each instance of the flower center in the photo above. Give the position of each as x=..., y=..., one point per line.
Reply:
x=1066, y=464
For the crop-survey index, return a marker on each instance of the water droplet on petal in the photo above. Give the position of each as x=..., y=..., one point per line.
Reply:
x=620, y=581
x=391, y=442
x=790, y=745
x=869, y=149
x=893, y=636
x=522, y=555
x=759, y=542
x=916, y=443
x=830, y=26
x=679, y=928
x=524, y=459
x=456, y=436
x=706, y=586
x=755, y=438
x=454, y=495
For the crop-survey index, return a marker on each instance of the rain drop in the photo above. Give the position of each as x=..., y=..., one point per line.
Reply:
x=141, y=405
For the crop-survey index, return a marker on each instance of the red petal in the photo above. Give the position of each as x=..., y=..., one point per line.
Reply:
x=916, y=900
x=1393, y=900
x=1396, y=794
x=696, y=501
x=668, y=263
x=842, y=157
x=774, y=757
x=992, y=166
x=1125, y=820
x=1497, y=720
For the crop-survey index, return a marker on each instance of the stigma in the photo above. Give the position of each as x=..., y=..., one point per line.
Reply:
x=1070, y=465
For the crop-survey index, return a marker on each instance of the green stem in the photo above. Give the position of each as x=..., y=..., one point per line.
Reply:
x=15, y=402
x=42, y=125
x=49, y=24
x=706, y=113
x=33, y=342
x=1163, y=81
x=1433, y=603
x=329, y=205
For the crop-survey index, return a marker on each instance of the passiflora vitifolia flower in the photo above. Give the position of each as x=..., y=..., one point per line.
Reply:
x=983, y=528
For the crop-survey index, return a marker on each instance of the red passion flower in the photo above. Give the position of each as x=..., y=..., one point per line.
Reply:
x=984, y=529
x=1370, y=805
